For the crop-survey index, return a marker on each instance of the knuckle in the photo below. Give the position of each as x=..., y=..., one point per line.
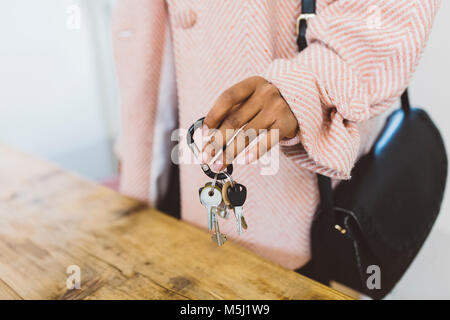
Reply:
x=227, y=96
x=210, y=119
x=269, y=90
x=232, y=121
x=279, y=104
x=258, y=79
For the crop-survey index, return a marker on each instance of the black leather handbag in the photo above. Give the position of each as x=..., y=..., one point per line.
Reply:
x=379, y=219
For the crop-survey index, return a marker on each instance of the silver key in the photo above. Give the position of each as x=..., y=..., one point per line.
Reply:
x=221, y=210
x=239, y=219
x=237, y=193
x=210, y=197
x=218, y=237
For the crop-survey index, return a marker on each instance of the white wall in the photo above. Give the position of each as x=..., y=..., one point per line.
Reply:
x=51, y=99
x=428, y=276
x=430, y=87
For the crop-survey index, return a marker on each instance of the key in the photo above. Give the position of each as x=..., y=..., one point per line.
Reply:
x=210, y=197
x=237, y=195
x=218, y=237
x=244, y=223
x=228, y=203
x=225, y=194
x=221, y=210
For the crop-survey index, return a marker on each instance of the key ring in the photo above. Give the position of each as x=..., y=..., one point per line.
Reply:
x=230, y=179
x=196, y=151
x=215, y=180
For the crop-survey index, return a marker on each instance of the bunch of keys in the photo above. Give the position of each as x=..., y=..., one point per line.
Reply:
x=218, y=197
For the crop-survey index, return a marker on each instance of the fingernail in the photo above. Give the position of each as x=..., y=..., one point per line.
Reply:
x=205, y=130
x=217, y=166
x=205, y=157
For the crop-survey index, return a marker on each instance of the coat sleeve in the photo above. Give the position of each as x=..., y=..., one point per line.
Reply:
x=360, y=57
x=138, y=29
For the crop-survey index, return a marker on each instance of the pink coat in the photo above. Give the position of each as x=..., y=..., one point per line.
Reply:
x=360, y=57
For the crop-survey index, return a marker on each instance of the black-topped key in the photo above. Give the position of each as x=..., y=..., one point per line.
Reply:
x=237, y=195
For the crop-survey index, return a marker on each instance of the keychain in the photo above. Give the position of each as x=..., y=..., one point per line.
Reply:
x=216, y=196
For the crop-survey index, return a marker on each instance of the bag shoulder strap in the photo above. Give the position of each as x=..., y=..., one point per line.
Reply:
x=309, y=11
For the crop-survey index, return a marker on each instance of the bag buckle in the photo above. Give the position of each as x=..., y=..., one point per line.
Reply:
x=303, y=16
x=341, y=229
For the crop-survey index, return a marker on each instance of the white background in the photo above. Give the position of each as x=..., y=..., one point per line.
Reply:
x=429, y=275
x=57, y=85
x=59, y=100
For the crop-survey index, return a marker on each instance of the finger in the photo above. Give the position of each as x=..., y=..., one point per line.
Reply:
x=233, y=121
x=229, y=98
x=264, y=144
x=255, y=127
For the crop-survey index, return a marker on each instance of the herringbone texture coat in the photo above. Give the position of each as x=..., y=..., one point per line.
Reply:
x=360, y=57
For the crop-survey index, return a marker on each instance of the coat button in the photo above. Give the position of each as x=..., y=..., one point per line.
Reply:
x=185, y=19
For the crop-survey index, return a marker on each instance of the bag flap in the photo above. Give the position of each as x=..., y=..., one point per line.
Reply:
x=396, y=190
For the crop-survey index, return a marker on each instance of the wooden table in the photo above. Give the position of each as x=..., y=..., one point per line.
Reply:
x=51, y=219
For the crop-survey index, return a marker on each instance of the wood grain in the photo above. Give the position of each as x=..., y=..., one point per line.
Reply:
x=51, y=219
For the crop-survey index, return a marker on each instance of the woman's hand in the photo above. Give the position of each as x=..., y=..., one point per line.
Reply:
x=257, y=103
